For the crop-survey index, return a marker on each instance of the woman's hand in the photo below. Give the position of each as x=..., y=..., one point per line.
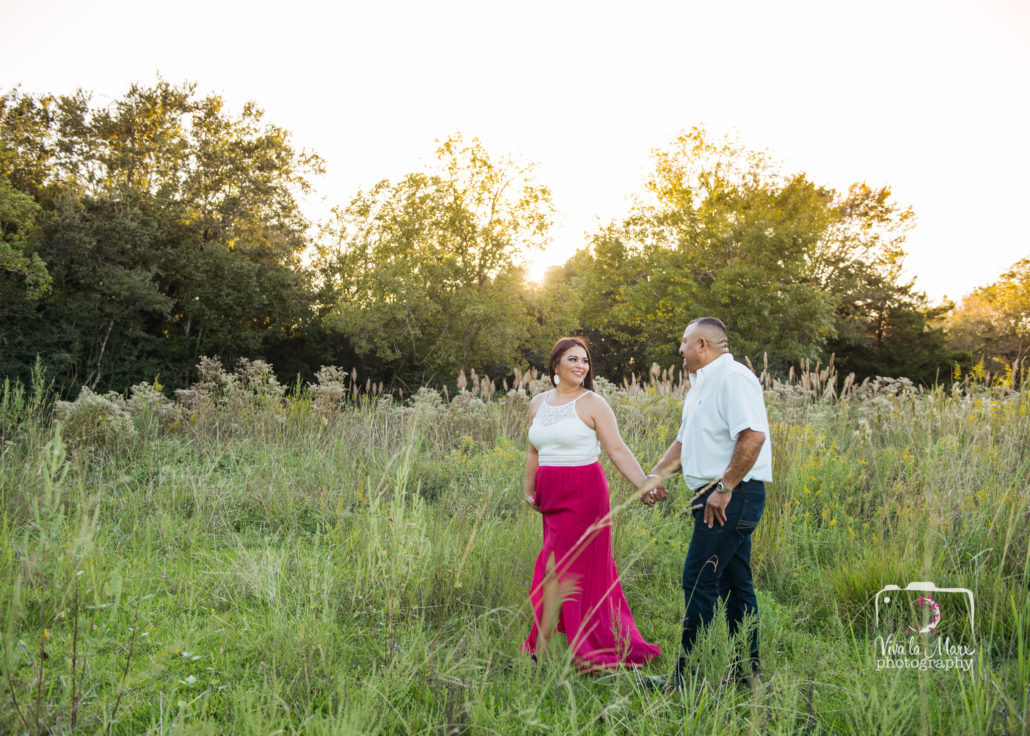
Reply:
x=649, y=496
x=532, y=502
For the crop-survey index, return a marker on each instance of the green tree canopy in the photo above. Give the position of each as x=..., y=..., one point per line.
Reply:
x=17, y=221
x=789, y=265
x=424, y=271
x=993, y=322
x=171, y=229
x=883, y=325
x=721, y=233
x=139, y=234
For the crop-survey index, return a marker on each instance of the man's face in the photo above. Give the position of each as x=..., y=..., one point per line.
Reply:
x=689, y=349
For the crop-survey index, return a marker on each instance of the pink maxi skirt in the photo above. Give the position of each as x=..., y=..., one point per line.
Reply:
x=594, y=614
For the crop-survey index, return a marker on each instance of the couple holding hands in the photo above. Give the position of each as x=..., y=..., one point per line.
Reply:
x=724, y=453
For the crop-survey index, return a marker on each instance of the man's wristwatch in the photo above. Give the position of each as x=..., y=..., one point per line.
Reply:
x=721, y=488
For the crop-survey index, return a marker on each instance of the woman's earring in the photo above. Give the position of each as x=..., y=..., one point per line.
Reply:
x=556, y=380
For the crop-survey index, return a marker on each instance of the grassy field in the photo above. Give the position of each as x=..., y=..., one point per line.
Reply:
x=324, y=560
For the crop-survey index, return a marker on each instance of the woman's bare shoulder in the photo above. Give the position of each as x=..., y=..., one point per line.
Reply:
x=594, y=400
x=594, y=406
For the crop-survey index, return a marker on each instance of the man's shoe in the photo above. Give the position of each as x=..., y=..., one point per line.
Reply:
x=663, y=683
x=737, y=677
x=756, y=681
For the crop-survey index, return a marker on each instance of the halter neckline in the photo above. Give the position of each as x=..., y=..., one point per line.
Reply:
x=567, y=403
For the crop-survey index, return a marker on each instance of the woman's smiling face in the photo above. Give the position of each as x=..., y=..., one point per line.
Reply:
x=573, y=367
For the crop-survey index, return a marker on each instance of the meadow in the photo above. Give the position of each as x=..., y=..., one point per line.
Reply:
x=324, y=559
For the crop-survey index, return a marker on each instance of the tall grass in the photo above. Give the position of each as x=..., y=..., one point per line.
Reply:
x=250, y=560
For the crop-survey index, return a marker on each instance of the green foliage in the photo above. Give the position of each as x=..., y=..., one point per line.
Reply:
x=883, y=326
x=169, y=227
x=796, y=271
x=17, y=217
x=993, y=322
x=722, y=235
x=423, y=271
x=104, y=420
x=138, y=235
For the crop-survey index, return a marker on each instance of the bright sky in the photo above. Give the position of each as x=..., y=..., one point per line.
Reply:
x=927, y=96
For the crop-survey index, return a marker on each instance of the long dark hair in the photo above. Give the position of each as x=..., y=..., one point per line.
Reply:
x=560, y=348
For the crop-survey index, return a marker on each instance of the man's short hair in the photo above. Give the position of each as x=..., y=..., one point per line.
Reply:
x=711, y=322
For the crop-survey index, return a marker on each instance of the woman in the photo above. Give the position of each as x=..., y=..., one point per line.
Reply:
x=575, y=583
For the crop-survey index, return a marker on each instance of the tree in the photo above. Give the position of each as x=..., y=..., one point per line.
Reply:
x=796, y=270
x=553, y=308
x=993, y=322
x=423, y=271
x=17, y=220
x=883, y=325
x=171, y=229
x=601, y=277
x=721, y=234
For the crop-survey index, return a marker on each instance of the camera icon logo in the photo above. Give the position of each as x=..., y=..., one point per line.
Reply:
x=927, y=594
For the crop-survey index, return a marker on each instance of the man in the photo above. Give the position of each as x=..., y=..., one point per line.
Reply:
x=724, y=451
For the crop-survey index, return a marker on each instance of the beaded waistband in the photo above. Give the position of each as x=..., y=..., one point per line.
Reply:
x=566, y=460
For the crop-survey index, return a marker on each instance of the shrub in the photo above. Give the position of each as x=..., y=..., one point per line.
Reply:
x=93, y=419
x=148, y=405
x=330, y=392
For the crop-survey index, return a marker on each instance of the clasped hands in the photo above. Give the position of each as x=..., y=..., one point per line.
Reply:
x=653, y=490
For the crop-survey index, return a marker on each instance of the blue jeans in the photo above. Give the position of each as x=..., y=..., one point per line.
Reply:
x=718, y=565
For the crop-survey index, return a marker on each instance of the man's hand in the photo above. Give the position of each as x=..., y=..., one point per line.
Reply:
x=658, y=493
x=715, y=508
x=655, y=480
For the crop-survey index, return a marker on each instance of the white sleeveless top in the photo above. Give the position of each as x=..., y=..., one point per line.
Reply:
x=561, y=437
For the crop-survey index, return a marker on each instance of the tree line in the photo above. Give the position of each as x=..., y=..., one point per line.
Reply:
x=139, y=235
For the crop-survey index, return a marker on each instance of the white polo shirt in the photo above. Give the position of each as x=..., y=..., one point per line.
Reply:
x=725, y=398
